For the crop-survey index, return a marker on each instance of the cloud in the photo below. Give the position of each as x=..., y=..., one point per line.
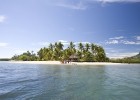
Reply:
x=76, y=43
x=64, y=42
x=121, y=55
x=41, y=44
x=130, y=42
x=115, y=1
x=2, y=18
x=46, y=44
x=76, y=6
x=20, y=51
x=84, y=4
x=112, y=42
x=127, y=42
x=138, y=37
x=3, y=44
x=118, y=53
x=123, y=40
x=117, y=38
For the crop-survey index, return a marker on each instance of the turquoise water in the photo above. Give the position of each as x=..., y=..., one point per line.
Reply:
x=59, y=82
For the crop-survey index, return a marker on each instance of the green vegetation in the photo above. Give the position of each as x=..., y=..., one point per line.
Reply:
x=27, y=56
x=4, y=59
x=56, y=51
x=83, y=53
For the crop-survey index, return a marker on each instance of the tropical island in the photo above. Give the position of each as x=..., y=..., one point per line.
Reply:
x=56, y=52
x=72, y=53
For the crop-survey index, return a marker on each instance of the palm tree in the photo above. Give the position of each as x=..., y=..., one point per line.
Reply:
x=87, y=47
x=71, y=46
x=51, y=46
x=94, y=49
x=88, y=56
x=40, y=54
x=100, y=56
x=80, y=46
x=79, y=54
x=55, y=52
x=60, y=46
x=65, y=55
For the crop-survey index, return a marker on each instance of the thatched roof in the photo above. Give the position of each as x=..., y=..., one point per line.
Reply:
x=73, y=56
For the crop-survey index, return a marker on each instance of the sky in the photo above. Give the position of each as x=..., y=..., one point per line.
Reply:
x=32, y=24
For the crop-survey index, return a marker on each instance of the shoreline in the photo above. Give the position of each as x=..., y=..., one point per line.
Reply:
x=71, y=63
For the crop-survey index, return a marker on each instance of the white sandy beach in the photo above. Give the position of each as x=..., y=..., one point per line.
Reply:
x=36, y=62
x=59, y=63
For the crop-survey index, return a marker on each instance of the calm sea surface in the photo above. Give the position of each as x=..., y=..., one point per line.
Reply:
x=59, y=82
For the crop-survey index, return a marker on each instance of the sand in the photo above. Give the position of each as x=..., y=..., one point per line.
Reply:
x=59, y=63
x=36, y=62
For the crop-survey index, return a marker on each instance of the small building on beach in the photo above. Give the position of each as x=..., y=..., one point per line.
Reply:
x=73, y=58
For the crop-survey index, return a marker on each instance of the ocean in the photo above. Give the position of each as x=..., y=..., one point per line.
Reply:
x=69, y=82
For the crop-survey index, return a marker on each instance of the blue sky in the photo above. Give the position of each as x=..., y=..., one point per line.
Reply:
x=32, y=24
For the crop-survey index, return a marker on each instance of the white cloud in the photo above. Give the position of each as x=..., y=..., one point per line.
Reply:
x=20, y=51
x=112, y=42
x=118, y=53
x=121, y=55
x=117, y=38
x=76, y=43
x=130, y=42
x=123, y=40
x=76, y=6
x=64, y=42
x=44, y=43
x=84, y=4
x=2, y=18
x=138, y=37
x=112, y=1
x=3, y=44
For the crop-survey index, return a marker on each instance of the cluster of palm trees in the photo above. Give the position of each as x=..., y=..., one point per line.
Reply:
x=53, y=52
x=84, y=52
